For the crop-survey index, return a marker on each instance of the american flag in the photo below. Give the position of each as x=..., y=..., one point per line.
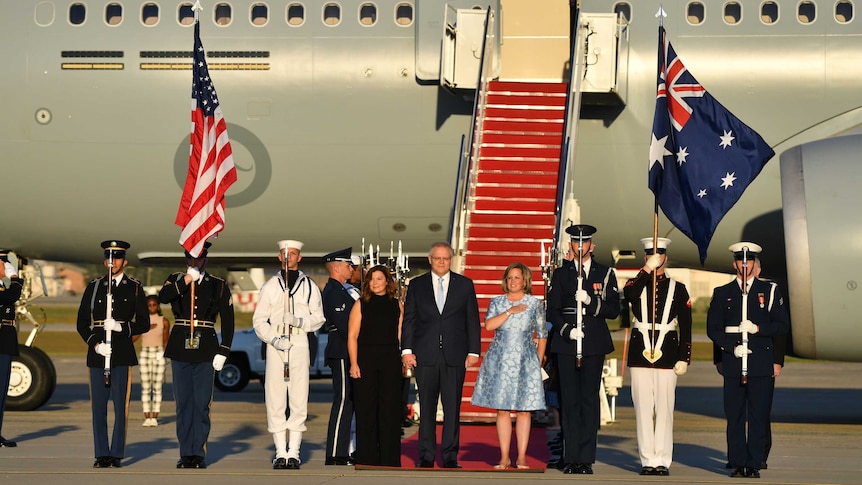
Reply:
x=701, y=156
x=211, y=168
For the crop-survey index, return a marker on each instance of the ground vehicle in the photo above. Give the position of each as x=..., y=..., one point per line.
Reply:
x=245, y=362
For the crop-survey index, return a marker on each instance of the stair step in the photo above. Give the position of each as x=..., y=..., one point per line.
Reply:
x=542, y=180
x=515, y=205
x=505, y=138
x=548, y=126
x=504, y=261
x=507, y=219
x=524, y=112
x=516, y=193
x=487, y=246
x=543, y=165
x=522, y=87
x=526, y=99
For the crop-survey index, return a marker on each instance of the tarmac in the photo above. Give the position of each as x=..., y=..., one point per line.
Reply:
x=817, y=438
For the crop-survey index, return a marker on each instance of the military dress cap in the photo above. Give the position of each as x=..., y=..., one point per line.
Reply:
x=203, y=252
x=662, y=245
x=115, y=246
x=289, y=244
x=4, y=255
x=740, y=248
x=355, y=259
x=342, y=255
x=581, y=231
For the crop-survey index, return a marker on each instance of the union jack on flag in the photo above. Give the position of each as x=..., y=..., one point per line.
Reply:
x=702, y=157
x=211, y=169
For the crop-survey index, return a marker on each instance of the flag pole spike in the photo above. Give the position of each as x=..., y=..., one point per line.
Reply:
x=661, y=14
x=196, y=8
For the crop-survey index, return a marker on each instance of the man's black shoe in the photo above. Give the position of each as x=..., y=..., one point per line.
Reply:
x=198, y=462
x=647, y=470
x=340, y=460
x=738, y=472
x=280, y=464
x=586, y=469
x=115, y=462
x=752, y=473
x=426, y=464
x=102, y=462
x=451, y=464
x=292, y=464
x=571, y=469
x=662, y=470
x=7, y=443
x=185, y=462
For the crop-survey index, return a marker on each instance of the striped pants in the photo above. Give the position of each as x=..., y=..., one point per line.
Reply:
x=152, y=377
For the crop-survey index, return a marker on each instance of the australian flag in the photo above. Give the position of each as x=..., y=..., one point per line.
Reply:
x=701, y=156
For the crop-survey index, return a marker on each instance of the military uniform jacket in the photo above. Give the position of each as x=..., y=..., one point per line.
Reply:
x=601, y=284
x=8, y=331
x=269, y=313
x=676, y=345
x=765, y=309
x=129, y=310
x=337, y=303
x=212, y=301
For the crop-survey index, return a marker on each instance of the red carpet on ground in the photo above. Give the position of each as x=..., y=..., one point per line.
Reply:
x=480, y=449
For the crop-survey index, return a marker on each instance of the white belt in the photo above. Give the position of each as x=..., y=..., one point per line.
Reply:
x=732, y=329
x=660, y=327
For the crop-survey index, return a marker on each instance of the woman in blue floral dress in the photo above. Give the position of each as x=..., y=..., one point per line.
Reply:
x=510, y=378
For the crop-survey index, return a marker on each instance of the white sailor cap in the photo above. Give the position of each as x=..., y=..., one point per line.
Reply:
x=355, y=259
x=289, y=244
x=662, y=245
x=738, y=249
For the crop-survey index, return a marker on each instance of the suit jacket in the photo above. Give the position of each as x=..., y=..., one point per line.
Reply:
x=765, y=308
x=212, y=300
x=337, y=304
x=129, y=310
x=424, y=328
x=9, y=333
x=601, y=284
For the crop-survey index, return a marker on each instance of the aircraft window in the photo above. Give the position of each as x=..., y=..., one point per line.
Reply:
x=113, y=14
x=185, y=15
x=368, y=14
x=295, y=15
x=769, y=13
x=695, y=13
x=404, y=14
x=843, y=12
x=331, y=14
x=259, y=14
x=223, y=14
x=77, y=13
x=732, y=13
x=624, y=12
x=150, y=14
x=806, y=12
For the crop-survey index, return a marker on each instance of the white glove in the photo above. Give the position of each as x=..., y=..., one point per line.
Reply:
x=288, y=320
x=194, y=273
x=218, y=362
x=103, y=350
x=282, y=343
x=111, y=325
x=10, y=269
x=680, y=368
x=583, y=297
x=160, y=354
x=748, y=326
x=653, y=262
x=739, y=351
x=575, y=333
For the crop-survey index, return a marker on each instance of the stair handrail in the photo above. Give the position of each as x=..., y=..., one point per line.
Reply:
x=570, y=131
x=465, y=186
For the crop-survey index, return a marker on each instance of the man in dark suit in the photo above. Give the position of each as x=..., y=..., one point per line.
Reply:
x=125, y=316
x=8, y=331
x=580, y=370
x=440, y=337
x=752, y=308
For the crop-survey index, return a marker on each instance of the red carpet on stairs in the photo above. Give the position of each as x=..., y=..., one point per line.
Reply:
x=480, y=450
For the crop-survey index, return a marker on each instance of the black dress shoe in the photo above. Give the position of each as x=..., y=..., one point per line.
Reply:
x=738, y=472
x=102, y=462
x=4, y=443
x=586, y=469
x=752, y=472
x=451, y=464
x=571, y=469
x=340, y=460
x=647, y=470
x=292, y=464
x=426, y=464
x=115, y=462
x=280, y=464
x=198, y=462
x=662, y=470
x=185, y=462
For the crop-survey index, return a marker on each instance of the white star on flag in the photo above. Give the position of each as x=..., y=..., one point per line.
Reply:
x=657, y=151
x=727, y=180
x=726, y=139
x=702, y=193
x=681, y=154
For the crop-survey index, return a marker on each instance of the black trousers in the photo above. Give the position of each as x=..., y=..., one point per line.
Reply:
x=378, y=414
x=747, y=404
x=446, y=383
x=579, y=406
x=341, y=415
x=5, y=377
x=118, y=394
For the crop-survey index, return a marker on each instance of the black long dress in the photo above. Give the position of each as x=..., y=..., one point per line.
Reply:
x=378, y=407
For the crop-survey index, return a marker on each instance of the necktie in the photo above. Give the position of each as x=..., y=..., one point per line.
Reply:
x=441, y=299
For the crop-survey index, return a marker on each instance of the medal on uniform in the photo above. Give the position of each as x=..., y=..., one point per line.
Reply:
x=761, y=299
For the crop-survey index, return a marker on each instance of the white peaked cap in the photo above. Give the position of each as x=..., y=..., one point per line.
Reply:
x=289, y=244
x=663, y=243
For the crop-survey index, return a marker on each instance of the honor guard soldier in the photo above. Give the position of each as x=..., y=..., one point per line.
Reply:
x=9, y=294
x=659, y=351
x=195, y=351
x=338, y=298
x=289, y=307
x=112, y=310
x=744, y=316
x=581, y=297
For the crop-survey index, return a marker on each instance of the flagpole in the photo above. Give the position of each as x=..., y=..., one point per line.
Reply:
x=654, y=278
x=196, y=8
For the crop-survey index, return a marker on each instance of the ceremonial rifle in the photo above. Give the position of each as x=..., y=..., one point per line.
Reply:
x=745, y=314
x=109, y=311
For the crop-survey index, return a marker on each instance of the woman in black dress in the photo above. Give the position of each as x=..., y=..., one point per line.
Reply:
x=373, y=343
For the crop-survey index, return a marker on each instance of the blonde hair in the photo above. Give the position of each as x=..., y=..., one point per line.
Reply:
x=525, y=272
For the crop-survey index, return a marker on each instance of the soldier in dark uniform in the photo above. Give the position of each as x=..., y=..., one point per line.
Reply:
x=8, y=331
x=338, y=298
x=128, y=317
x=762, y=318
x=579, y=382
x=195, y=351
x=658, y=353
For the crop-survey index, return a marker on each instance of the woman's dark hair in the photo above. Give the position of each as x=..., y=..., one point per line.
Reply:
x=391, y=286
x=158, y=304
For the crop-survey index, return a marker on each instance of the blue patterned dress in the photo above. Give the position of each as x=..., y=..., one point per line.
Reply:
x=510, y=377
